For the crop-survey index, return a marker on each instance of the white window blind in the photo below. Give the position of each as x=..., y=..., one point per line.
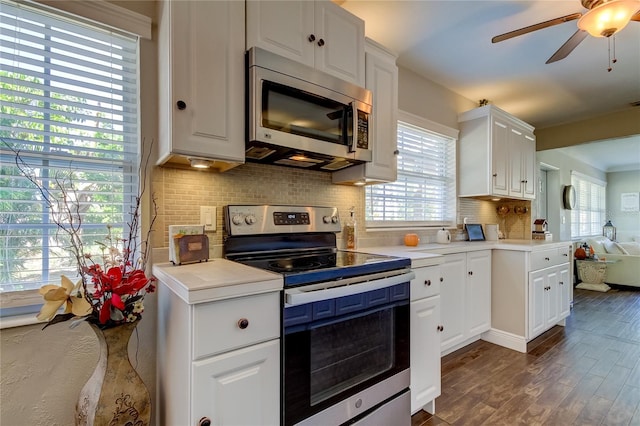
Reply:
x=588, y=216
x=424, y=193
x=69, y=106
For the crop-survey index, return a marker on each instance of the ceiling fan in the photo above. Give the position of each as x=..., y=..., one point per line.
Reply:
x=603, y=19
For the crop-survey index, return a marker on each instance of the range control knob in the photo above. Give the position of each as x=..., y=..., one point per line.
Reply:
x=250, y=219
x=334, y=219
x=236, y=219
x=326, y=219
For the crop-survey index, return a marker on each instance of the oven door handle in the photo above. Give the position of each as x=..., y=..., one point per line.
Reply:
x=341, y=288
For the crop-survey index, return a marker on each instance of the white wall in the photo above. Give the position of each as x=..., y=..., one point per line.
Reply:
x=427, y=99
x=627, y=223
x=560, y=219
x=43, y=371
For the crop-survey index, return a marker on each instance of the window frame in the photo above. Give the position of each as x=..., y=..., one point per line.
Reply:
x=440, y=131
x=577, y=180
x=17, y=307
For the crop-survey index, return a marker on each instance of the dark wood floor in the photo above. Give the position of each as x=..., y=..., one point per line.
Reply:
x=588, y=373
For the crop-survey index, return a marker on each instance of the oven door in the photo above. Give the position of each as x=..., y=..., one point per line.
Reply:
x=345, y=354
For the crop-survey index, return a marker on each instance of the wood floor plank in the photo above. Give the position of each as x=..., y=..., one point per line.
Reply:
x=571, y=406
x=624, y=407
x=613, y=383
x=594, y=412
x=588, y=373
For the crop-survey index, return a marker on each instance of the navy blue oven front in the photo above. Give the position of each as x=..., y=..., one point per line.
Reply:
x=346, y=351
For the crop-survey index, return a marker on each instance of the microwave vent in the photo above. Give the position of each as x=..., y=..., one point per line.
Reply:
x=337, y=165
x=295, y=163
x=258, y=152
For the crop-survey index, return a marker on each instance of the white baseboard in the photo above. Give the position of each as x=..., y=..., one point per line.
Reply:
x=507, y=340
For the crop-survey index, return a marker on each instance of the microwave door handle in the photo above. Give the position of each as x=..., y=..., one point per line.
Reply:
x=345, y=129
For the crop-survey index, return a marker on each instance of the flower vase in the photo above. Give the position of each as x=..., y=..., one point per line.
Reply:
x=114, y=394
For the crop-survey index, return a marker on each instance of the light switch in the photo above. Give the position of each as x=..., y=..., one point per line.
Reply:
x=208, y=217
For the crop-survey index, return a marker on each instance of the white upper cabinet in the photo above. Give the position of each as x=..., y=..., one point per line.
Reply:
x=317, y=33
x=497, y=155
x=201, y=82
x=382, y=80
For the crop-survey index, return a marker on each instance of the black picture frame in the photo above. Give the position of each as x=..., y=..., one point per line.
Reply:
x=475, y=232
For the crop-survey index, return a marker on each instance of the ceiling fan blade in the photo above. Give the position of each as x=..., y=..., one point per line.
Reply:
x=568, y=46
x=536, y=27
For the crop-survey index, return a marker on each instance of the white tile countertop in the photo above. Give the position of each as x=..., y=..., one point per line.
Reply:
x=216, y=279
x=434, y=249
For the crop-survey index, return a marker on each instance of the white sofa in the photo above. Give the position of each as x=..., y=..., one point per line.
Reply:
x=626, y=269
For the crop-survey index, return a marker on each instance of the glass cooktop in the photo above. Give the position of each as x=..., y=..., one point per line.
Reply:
x=325, y=265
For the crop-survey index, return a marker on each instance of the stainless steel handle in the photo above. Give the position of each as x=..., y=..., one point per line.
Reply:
x=344, y=287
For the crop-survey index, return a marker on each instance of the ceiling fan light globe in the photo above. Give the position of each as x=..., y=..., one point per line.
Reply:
x=608, y=18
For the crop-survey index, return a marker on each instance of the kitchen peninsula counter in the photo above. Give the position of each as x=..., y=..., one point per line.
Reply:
x=424, y=252
x=215, y=280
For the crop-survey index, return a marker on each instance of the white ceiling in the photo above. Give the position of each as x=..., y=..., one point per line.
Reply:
x=449, y=42
x=617, y=155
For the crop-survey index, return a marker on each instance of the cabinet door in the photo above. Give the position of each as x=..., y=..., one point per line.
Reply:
x=206, y=79
x=564, y=289
x=552, y=303
x=382, y=80
x=516, y=153
x=282, y=27
x=425, y=351
x=478, y=292
x=537, y=292
x=452, y=296
x=339, y=44
x=241, y=387
x=500, y=157
x=529, y=166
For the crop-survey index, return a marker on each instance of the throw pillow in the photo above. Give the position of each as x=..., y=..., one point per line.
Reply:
x=614, y=248
x=631, y=248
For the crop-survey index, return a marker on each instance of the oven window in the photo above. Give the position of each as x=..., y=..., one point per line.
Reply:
x=294, y=111
x=342, y=359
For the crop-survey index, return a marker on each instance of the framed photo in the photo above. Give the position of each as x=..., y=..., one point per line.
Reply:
x=630, y=202
x=475, y=232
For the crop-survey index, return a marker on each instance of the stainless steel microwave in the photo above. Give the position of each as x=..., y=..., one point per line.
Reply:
x=301, y=117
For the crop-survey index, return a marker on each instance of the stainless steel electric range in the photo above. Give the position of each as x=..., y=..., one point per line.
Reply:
x=345, y=316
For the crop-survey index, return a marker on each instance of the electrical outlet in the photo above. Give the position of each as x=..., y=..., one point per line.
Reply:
x=208, y=217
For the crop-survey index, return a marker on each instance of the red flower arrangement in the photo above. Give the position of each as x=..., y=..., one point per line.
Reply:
x=108, y=293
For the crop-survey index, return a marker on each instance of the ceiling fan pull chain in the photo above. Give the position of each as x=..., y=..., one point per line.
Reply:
x=609, y=50
x=614, y=50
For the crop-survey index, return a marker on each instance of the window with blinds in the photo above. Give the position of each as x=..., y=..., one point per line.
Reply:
x=69, y=106
x=424, y=193
x=589, y=215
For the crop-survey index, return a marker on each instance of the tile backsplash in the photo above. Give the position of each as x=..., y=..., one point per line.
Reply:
x=180, y=193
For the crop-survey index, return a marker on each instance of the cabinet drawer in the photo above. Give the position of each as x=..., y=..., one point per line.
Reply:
x=564, y=255
x=218, y=326
x=543, y=259
x=426, y=283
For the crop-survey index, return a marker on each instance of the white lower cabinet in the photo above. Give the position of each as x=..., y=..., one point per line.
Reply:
x=466, y=298
x=531, y=293
x=425, y=337
x=218, y=361
x=239, y=387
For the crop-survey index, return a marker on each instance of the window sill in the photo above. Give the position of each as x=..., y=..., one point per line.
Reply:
x=18, y=321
